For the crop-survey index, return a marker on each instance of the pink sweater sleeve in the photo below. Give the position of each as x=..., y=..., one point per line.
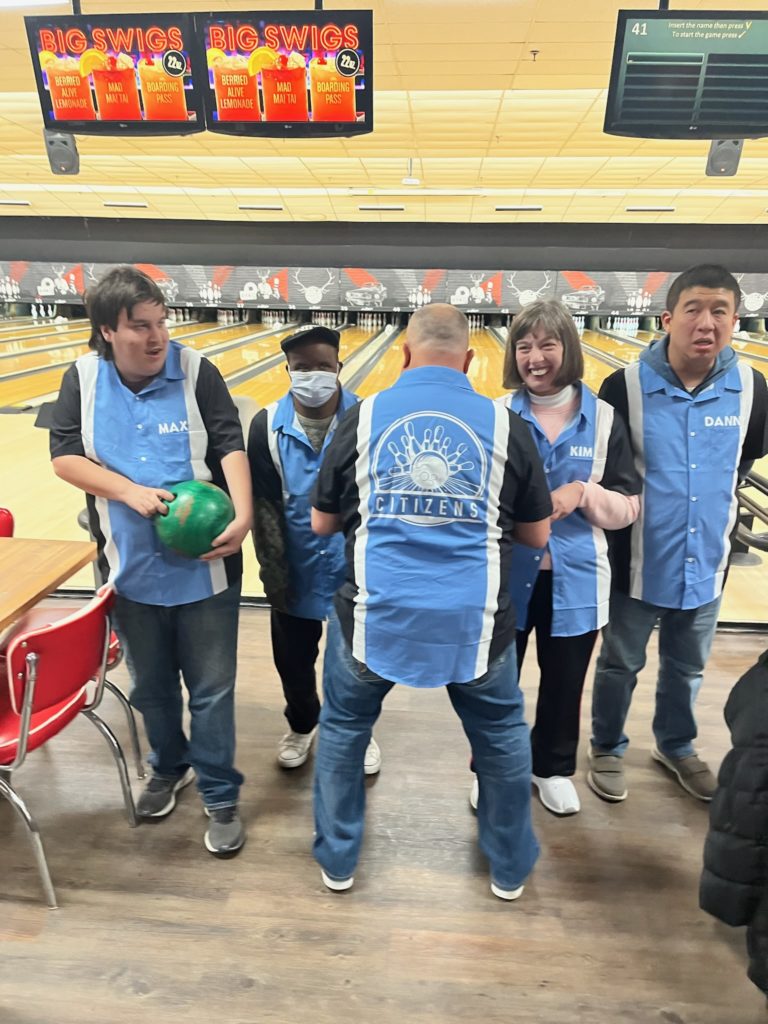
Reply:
x=608, y=509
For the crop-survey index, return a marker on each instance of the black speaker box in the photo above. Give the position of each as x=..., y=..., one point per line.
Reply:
x=724, y=156
x=62, y=153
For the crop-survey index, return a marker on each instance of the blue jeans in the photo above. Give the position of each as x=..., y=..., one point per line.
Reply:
x=199, y=642
x=685, y=640
x=491, y=711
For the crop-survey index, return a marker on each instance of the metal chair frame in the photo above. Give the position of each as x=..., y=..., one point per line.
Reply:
x=31, y=674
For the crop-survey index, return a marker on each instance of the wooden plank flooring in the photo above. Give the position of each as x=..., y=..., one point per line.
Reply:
x=151, y=928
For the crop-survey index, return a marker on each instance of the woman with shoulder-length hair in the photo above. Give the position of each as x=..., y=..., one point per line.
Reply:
x=594, y=486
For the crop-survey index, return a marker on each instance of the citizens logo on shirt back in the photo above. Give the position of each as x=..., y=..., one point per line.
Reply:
x=429, y=469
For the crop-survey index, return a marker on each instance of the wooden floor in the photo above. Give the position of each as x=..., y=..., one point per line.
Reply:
x=153, y=929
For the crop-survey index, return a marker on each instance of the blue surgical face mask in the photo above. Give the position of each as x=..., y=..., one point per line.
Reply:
x=313, y=388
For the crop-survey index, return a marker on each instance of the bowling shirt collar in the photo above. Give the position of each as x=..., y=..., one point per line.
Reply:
x=418, y=375
x=664, y=377
x=285, y=418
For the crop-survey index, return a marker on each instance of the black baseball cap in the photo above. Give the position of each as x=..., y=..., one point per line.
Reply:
x=310, y=332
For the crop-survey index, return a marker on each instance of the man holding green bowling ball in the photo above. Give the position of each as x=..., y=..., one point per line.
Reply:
x=133, y=418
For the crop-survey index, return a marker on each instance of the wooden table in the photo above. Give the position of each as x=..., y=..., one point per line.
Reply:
x=30, y=569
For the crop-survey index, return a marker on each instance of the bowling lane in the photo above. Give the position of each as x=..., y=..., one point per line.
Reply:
x=64, y=352
x=486, y=370
x=272, y=384
x=53, y=342
x=595, y=372
x=385, y=370
x=51, y=332
x=31, y=387
x=623, y=350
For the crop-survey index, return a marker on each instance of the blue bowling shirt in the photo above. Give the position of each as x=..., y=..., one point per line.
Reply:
x=284, y=468
x=429, y=479
x=593, y=446
x=178, y=427
x=688, y=447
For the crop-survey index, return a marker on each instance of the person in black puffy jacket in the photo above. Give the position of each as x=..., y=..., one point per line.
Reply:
x=734, y=883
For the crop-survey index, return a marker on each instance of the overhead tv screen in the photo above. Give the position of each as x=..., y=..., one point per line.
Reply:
x=288, y=74
x=689, y=74
x=117, y=74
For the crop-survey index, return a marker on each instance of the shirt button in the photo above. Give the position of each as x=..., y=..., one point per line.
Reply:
x=139, y=426
x=693, y=529
x=690, y=559
x=693, y=433
x=537, y=558
x=143, y=458
x=528, y=585
x=693, y=465
x=694, y=498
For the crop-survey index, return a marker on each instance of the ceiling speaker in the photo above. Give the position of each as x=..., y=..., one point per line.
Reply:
x=62, y=153
x=724, y=156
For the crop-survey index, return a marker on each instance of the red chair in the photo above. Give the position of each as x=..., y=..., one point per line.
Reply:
x=45, y=613
x=6, y=522
x=49, y=676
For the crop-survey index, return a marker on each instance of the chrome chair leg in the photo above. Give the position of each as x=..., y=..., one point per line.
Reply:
x=33, y=831
x=133, y=731
x=122, y=768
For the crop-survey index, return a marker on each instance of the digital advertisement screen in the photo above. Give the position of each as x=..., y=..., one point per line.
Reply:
x=117, y=74
x=689, y=74
x=288, y=73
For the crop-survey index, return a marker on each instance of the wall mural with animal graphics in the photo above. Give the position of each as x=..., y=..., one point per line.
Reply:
x=584, y=292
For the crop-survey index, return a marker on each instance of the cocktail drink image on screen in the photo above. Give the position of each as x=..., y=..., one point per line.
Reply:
x=284, y=89
x=235, y=86
x=117, y=91
x=69, y=89
x=162, y=94
x=332, y=94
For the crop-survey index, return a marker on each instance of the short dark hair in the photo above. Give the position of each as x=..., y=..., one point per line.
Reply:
x=119, y=289
x=554, y=318
x=705, y=275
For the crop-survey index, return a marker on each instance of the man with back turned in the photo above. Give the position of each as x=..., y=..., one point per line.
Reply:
x=429, y=483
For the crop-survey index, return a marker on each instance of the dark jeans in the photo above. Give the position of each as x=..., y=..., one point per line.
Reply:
x=563, y=663
x=199, y=642
x=295, y=643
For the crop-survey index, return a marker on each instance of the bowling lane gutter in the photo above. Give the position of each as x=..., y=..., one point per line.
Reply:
x=81, y=341
x=362, y=372
x=44, y=329
x=213, y=350
x=366, y=352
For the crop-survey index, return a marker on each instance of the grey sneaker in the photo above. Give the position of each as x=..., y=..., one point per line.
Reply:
x=225, y=836
x=692, y=773
x=606, y=776
x=159, y=796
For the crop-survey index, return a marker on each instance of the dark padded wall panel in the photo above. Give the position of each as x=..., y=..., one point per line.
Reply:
x=452, y=246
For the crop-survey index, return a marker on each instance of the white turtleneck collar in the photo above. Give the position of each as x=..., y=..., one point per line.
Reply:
x=564, y=397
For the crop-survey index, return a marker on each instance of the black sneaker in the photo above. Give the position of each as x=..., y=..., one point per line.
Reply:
x=159, y=796
x=225, y=836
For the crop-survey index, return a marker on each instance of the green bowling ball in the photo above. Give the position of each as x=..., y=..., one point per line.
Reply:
x=199, y=512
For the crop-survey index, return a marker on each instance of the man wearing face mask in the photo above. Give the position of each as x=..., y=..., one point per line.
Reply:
x=300, y=571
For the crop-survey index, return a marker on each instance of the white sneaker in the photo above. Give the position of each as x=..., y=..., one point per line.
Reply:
x=335, y=884
x=294, y=748
x=474, y=793
x=372, y=762
x=507, y=894
x=558, y=794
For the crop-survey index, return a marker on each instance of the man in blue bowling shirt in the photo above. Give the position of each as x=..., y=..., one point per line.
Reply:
x=429, y=482
x=697, y=417
x=133, y=417
x=300, y=570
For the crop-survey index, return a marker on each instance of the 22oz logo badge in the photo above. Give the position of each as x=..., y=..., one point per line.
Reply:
x=348, y=62
x=174, y=63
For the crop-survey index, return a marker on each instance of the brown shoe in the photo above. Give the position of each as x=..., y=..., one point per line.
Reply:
x=606, y=776
x=691, y=772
